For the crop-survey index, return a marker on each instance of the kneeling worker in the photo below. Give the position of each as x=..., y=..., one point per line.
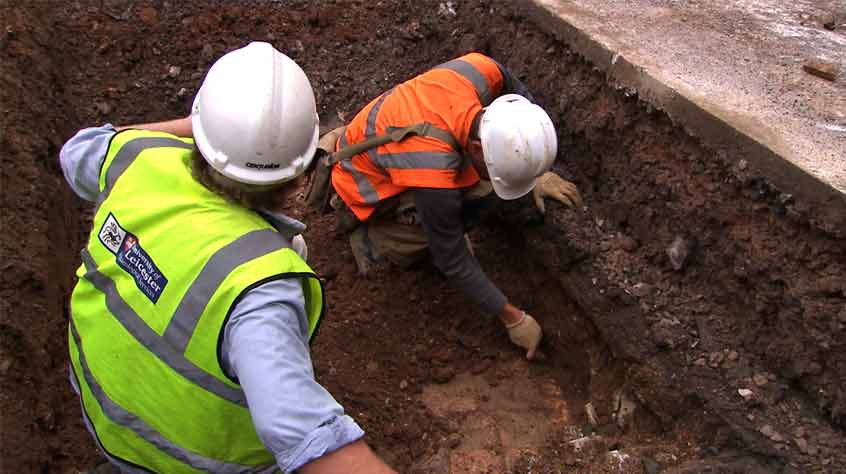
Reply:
x=408, y=168
x=191, y=321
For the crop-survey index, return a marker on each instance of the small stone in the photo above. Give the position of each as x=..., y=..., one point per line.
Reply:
x=372, y=366
x=624, y=410
x=715, y=359
x=5, y=365
x=802, y=444
x=174, y=71
x=821, y=69
x=482, y=366
x=760, y=379
x=678, y=252
x=829, y=22
x=591, y=414
x=700, y=362
x=580, y=444
x=403, y=385
x=207, y=52
x=732, y=356
x=666, y=458
x=104, y=108
x=746, y=393
x=641, y=289
x=149, y=16
x=443, y=374
x=651, y=466
x=628, y=243
x=182, y=93
x=453, y=440
x=771, y=433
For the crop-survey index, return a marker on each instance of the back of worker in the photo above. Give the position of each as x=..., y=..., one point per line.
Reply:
x=449, y=97
x=191, y=319
x=166, y=260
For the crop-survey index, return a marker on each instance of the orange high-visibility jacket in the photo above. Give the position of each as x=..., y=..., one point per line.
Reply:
x=449, y=97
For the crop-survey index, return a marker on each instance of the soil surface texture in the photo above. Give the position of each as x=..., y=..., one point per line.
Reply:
x=694, y=314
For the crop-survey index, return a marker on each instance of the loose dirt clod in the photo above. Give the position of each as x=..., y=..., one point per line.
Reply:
x=821, y=69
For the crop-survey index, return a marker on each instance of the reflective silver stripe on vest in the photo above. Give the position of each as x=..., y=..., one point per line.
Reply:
x=469, y=72
x=432, y=160
x=365, y=188
x=127, y=154
x=118, y=415
x=148, y=338
x=249, y=246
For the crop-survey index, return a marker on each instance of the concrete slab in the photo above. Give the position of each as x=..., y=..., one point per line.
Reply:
x=731, y=72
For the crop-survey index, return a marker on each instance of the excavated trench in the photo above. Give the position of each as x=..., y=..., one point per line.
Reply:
x=693, y=314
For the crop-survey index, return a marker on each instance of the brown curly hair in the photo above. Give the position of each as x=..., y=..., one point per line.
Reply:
x=251, y=196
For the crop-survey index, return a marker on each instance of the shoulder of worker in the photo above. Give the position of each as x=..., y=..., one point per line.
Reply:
x=82, y=156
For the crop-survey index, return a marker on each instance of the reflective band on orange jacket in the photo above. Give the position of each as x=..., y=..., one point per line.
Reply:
x=449, y=97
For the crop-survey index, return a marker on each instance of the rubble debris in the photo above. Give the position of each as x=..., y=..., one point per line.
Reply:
x=679, y=251
x=624, y=409
x=618, y=460
x=207, y=52
x=715, y=359
x=447, y=9
x=746, y=393
x=174, y=71
x=590, y=412
x=149, y=16
x=771, y=433
x=650, y=466
x=821, y=69
x=760, y=379
x=583, y=443
x=829, y=22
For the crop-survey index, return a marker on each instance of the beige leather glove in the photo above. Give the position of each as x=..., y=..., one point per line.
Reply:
x=550, y=185
x=526, y=333
x=327, y=141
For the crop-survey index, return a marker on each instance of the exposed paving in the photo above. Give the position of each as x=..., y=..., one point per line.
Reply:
x=732, y=73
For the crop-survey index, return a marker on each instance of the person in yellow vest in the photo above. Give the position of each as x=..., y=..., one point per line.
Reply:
x=191, y=320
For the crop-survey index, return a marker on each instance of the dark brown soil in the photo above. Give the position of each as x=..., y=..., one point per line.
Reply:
x=758, y=302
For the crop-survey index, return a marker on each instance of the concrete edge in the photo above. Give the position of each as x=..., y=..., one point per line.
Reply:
x=826, y=205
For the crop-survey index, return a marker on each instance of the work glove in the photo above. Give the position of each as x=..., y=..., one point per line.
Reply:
x=298, y=244
x=526, y=333
x=550, y=185
x=327, y=141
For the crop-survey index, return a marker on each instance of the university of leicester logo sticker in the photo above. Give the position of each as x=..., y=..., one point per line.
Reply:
x=112, y=234
x=132, y=258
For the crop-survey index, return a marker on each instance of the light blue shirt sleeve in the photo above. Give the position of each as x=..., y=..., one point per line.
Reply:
x=82, y=157
x=265, y=345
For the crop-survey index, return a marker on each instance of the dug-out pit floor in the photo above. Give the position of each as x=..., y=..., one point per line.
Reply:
x=751, y=298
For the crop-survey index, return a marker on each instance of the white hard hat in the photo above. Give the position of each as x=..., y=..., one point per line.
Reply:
x=254, y=118
x=518, y=143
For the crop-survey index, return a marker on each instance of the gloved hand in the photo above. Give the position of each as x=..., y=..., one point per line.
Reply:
x=526, y=333
x=550, y=185
x=327, y=141
x=298, y=244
